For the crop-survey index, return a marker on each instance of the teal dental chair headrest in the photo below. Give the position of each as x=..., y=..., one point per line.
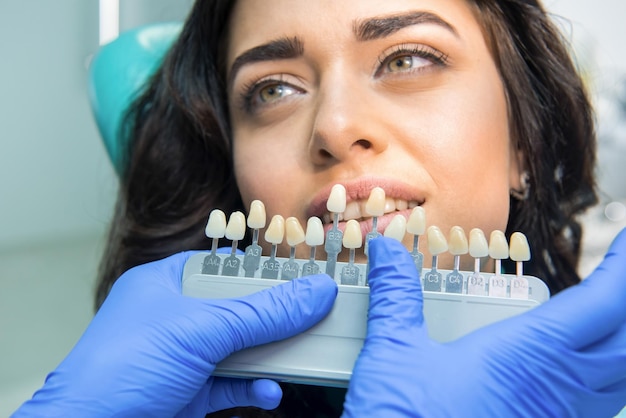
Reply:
x=118, y=72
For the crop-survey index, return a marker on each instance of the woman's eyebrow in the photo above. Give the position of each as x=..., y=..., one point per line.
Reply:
x=379, y=27
x=283, y=48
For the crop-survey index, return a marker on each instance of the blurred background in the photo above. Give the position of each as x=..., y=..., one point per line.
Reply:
x=57, y=186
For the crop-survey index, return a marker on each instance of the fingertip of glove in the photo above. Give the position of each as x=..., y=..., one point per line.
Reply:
x=267, y=394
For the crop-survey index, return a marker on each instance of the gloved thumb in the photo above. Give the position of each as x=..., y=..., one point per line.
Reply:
x=225, y=393
x=270, y=315
x=396, y=299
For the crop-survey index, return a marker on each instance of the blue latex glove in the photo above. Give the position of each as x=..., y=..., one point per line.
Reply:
x=565, y=358
x=150, y=351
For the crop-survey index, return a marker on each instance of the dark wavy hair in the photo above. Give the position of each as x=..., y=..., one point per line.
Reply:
x=178, y=165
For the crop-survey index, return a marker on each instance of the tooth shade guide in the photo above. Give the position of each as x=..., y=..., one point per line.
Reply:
x=235, y=231
x=274, y=234
x=314, y=232
x=295, y=235
x=257, y=217
x=457, y=246
x=416, y=225
x=376, y=202
x=437, y=243
x=519, y=251
x=294, y=232
x=435, y=280
x=352, y=239
x=478, y=248
x=215, y=228
x=337, y=200
x=314, y=236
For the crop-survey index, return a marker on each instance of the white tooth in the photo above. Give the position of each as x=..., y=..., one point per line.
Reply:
x=314, y=232
x=417, y=221
x=216, y=226
x=401, y=204
x=294, y=231
x=478, y=246
x=256, y=216
x=396, y=228
x=412, y=204
x=498, y=247
x=337, y=199
x=458, y=241
x=352, y=236
x=276, y=231
x=353, y=211
x=376, y=203
x=390, y=205
x=519, y=248
x=236, y=228
x=436, y=241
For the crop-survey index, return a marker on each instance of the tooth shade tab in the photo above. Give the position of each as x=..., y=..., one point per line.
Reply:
x=416, y=224
x=457, y=243
x=478, y=246
x=337, y=200
x=436, y=241
x=498, y=246
x=314, y=232
x=216, y=225
x=294, y=231
x=236, y=228
x=256, y=216
x=352, y=236
x=275, y=232
x=519, y=248
x=396, y=228
x=375, y=205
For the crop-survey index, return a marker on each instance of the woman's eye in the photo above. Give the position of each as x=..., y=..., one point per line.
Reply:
x=406, y=62
x=273, y=92
x=410, y=58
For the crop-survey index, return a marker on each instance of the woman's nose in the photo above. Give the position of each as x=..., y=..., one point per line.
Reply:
x=347, y=124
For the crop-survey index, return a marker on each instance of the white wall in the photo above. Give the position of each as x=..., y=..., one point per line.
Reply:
x=55, y=180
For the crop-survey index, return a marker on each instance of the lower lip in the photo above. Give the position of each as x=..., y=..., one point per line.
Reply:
x=367, y=225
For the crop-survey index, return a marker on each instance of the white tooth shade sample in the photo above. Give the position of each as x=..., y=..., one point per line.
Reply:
x=396, y=228
x=519, y=248
x=256, y=216
x=236, y=228
x=216, y=226
x=314, y=232
x=352, y=236
x=294, y=231
x=275, y=232
x=498, y=246
x=337, y=199
x=436, y=241
x=375, y=205
x=457, y=241
x=416, y=224
x=478, y=246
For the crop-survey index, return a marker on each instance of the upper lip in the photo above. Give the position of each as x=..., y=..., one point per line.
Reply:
x=359, y=189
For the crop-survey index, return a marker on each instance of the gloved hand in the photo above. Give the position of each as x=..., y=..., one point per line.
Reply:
x=565, y=358
x=150, y=351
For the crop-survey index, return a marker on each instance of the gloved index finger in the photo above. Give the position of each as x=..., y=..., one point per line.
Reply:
x=396, y=298
x=593, y=309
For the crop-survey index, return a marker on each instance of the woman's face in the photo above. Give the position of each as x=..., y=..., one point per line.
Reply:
x=401, y=94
